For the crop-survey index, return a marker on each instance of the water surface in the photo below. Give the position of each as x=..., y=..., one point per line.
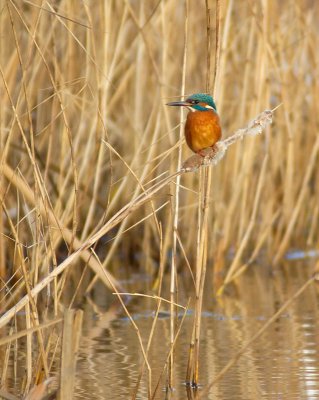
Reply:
x=282, y=364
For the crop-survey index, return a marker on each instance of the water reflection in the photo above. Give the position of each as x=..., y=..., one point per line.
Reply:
x=282, y=363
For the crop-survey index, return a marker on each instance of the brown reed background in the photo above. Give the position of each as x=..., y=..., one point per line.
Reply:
x=84, y=129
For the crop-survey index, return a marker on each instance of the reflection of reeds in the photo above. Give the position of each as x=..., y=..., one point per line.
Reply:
x=88, y=150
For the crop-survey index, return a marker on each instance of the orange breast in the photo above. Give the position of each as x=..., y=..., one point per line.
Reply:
x=202, y=129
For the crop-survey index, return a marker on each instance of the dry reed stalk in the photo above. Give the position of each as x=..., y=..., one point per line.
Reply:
x=172, y=347
x=72, y=326
x=20, y=334
x=5, y=361
x=29, y=349
x=192, y=373
x=134, y=394
x=160, y=299
x=176, y=206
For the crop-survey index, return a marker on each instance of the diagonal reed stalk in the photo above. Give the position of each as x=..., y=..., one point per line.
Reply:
x=254, y=127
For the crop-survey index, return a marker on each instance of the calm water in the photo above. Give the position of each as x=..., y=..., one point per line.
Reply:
x=282, y=364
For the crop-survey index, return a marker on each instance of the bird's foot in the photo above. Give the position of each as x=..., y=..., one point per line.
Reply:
x=207, y=151
x=201, y=153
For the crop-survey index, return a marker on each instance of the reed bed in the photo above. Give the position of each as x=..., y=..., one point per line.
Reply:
x=91, y=158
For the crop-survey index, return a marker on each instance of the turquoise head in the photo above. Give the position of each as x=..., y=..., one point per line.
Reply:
x=197, y=102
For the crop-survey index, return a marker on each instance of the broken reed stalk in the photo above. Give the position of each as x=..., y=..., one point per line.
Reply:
x=72, y=326
x=213, y=156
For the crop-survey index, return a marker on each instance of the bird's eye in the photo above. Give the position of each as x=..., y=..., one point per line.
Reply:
x=195, y=101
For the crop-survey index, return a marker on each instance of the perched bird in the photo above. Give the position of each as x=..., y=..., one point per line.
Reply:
x=202, y=128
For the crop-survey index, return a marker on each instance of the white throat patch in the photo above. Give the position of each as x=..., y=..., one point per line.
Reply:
x=191, y=109
x=206, y=106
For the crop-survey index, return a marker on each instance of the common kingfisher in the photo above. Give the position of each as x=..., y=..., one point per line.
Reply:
x=202, y=128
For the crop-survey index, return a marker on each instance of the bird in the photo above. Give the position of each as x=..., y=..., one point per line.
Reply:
x=202, y=128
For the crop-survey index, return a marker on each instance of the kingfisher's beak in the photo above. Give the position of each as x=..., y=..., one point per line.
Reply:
x=179, y=104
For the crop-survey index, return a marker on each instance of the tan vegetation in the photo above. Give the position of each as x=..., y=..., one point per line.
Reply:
x=89, y=150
